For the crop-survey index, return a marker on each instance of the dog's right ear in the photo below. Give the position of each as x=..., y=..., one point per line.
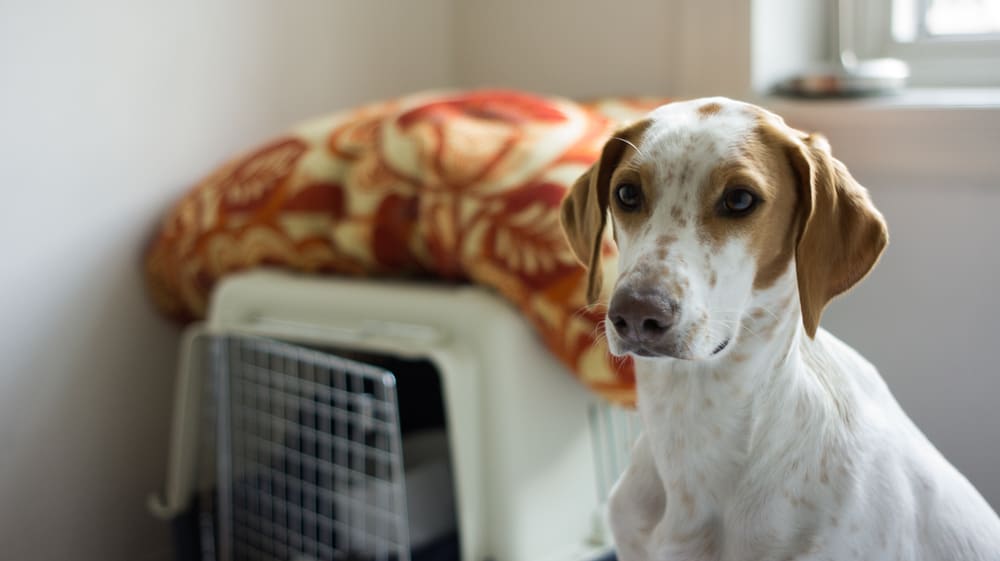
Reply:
x=584, y=211
x=842, y=233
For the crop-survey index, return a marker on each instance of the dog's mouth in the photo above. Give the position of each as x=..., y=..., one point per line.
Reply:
x=720, y=348
x=645, y=351
x=625, y=348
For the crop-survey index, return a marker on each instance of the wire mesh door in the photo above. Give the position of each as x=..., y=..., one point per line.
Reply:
x=308, y=456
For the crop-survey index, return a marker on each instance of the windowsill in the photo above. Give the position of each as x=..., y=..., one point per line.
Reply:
x=912, y=98
x=928, y=134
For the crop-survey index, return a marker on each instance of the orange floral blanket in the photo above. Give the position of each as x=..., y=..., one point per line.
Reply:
x=458, y=186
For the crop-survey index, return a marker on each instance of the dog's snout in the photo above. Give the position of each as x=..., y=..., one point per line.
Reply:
x=641, y=317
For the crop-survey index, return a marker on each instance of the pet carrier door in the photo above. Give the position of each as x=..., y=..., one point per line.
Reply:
x=308, y=456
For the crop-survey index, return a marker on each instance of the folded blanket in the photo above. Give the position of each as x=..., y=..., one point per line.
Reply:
x=456, y=186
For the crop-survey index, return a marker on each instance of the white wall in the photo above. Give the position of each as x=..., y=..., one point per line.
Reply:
x=588, y=48
x=579, y=48
x=108, y=111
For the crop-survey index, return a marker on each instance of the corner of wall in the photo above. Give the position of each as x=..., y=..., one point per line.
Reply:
x=787, y=36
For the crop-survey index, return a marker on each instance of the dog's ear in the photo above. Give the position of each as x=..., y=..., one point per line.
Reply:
x=585, y=209
x=841, y=233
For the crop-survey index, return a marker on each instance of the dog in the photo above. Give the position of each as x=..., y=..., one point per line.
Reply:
x=764, y=437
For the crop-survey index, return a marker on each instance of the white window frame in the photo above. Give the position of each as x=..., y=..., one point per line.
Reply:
x=952, y=61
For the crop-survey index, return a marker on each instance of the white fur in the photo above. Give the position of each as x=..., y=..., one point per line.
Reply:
x=780, y=446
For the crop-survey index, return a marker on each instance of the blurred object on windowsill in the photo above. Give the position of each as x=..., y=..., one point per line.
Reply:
x=847, y=76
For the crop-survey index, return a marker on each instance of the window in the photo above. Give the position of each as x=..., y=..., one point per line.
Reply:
x=946, y=42
x=922, y=20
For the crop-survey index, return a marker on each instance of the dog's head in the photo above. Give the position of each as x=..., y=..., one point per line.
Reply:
x=712, y=204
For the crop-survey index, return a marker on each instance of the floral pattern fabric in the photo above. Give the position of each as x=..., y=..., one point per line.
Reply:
x=459, y=186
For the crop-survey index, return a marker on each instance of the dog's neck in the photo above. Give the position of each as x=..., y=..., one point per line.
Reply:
x=706, y=420
x=769, y=344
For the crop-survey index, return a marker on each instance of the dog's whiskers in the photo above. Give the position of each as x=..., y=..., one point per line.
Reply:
x=626, y=141
x=599, y=332
x=590, y=308
x=769, y=312
x=731, y=323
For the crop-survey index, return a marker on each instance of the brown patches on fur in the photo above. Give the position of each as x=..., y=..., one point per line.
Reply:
x=687, y=499
x=773, y=243
x=841, y=234
x=713, y=278
x=791, y=498
x=768, y=330
x=698, y=325
x=677, y=213
x=824, y=473
x=583, y=214
x=666, y=240
x=708, y=403
x=641, y=268
x=632, y=170
x=682, y=285
x=709, y=109
x=763, y=167
x=722, y=375
x=669, y=179
x=685, y=175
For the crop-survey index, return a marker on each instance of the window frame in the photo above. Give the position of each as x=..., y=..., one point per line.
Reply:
x=944, y=61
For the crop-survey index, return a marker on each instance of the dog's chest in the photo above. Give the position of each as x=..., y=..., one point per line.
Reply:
x=696, y=427
x=708, y=438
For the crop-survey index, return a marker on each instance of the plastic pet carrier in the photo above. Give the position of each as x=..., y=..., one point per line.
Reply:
x=329, y=419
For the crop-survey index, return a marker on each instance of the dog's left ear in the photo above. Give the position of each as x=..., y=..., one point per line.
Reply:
x=841, y=233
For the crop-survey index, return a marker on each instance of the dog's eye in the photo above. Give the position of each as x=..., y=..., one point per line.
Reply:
x=738, y=201
x=629, y=196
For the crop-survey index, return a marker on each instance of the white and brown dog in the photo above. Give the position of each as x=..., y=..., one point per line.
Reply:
x=764, y=437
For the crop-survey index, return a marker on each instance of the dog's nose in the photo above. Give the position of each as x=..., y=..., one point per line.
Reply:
x=642, y=317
